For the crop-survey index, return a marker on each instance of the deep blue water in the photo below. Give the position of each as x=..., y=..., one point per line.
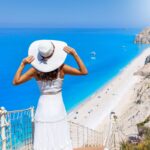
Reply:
x=114, y=49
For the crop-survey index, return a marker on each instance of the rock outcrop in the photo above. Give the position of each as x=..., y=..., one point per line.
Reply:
x=147, y=60
x=143, y=37
x=142, y=92
x=138, y=110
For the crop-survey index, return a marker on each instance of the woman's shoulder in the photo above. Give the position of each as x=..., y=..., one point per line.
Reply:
x=63, y=66
x=33, y=71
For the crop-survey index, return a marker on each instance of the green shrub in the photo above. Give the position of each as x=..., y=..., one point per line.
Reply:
x=143, y=145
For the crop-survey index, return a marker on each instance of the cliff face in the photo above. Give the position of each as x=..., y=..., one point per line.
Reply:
x=139, y=117
x=142, y=94
x=138, y=110
x=143, y=37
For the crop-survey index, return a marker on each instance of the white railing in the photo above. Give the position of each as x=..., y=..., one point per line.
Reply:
x=84, y=137
x=115, y=135
x=16, y=128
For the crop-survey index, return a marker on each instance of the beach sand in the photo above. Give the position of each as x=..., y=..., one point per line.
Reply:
x=115, y=96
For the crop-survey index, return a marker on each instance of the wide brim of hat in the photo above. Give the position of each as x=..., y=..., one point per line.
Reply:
x=54, y=62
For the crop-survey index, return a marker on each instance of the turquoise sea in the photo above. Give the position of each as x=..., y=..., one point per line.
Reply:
x=114, y=49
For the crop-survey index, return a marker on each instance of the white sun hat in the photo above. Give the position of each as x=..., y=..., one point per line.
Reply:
x=48, y=54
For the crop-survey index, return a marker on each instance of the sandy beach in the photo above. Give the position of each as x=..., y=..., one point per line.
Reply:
x=114, y=96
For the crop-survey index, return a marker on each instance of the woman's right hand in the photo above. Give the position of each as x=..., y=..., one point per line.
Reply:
x=27, y=60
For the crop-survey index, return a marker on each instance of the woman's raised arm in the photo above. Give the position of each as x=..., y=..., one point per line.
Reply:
x=74, y=71
x=21, y=78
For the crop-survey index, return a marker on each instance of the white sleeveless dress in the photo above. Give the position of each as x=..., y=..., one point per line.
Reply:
x=51, y=130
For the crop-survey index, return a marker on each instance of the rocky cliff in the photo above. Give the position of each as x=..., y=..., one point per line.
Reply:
x=143, y=37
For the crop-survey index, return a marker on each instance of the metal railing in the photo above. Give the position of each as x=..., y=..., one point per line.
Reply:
x=84, y=137
x=115, y=135
x=16, y=131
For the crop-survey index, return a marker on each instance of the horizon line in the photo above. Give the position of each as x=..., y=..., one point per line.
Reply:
x=73, y=27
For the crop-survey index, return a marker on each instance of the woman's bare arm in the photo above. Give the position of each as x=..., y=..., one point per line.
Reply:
x=71, y=70
x=21, y=78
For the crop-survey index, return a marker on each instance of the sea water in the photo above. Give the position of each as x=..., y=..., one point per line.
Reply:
x=104, y=52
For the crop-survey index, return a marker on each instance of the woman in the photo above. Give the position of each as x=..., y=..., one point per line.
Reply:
x=47, y=58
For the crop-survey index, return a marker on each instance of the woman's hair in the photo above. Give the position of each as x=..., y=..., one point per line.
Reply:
x=48, y=75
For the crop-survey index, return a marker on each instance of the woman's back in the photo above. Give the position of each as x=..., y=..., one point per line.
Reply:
x=50, y=105
x=51, y=86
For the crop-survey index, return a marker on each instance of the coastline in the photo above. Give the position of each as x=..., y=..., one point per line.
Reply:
x=96, y=108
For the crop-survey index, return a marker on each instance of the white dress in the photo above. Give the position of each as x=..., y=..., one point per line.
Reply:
x=51, y=130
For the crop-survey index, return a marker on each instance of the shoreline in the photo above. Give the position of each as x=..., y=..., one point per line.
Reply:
x=114, y=89
x=99, y=89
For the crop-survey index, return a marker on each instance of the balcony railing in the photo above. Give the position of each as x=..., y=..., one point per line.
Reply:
x=16, y=131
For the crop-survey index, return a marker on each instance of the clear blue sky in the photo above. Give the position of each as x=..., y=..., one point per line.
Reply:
x=74, y=13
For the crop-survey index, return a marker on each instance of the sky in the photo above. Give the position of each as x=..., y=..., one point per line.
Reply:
x=75, y=13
